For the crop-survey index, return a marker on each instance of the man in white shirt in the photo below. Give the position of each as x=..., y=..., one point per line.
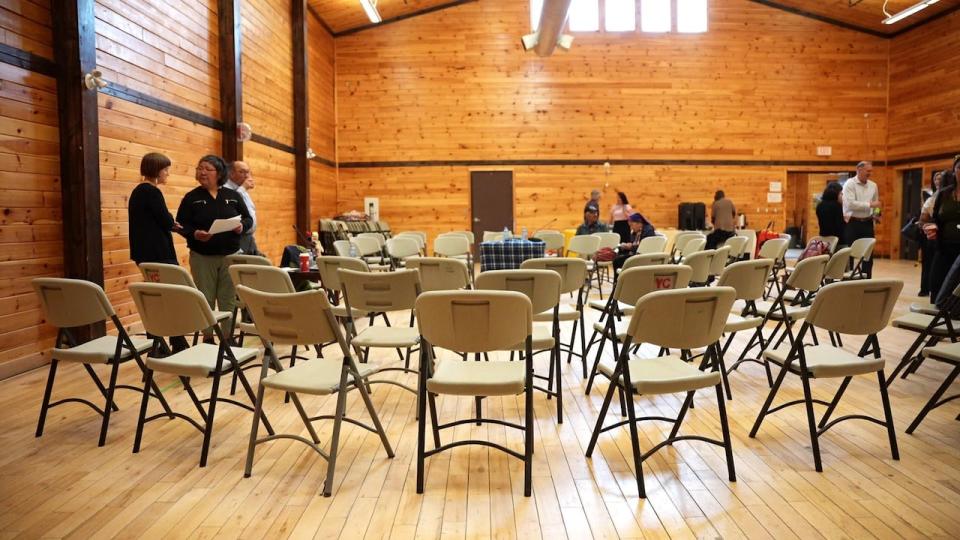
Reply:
x=241, y=181
x=860, y=198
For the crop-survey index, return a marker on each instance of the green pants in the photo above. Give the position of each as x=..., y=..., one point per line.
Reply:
x=212, y=278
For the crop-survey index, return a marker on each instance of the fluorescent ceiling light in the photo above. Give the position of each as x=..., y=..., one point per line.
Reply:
x=891, y=19
x=370, y=6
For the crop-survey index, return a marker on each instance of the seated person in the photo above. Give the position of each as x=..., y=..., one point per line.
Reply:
x=591, y=222
x=640, y=228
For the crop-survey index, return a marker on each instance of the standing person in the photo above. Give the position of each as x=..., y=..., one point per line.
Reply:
x=619, y=216
x=591, y=222
x=941, y=224
x=928, y=248
x=150, y=224
x=860, y=198
x=198, y=210
x=594, y=202
x=830, y=212
x=723, y=215
x=241, y=181
x=640, y=228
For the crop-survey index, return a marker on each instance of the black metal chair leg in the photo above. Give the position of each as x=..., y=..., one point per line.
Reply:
x=45, y=404
x=888, y=417
x=812, y=422
x=108, y=405
x=934, y=399
x=208, y=427
x=141, y=419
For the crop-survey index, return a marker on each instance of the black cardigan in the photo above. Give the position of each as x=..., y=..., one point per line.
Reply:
x=830, y=218
x=197, y=212
x=150, y=224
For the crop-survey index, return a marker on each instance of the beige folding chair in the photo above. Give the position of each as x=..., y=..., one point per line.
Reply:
x=173, y=274
x=947, y=353
x=608, y=240
x=300, y=320
x=573, y=274
x=700, y=262
x=72, y=303
x=585, y=246
x=860, y=308
x=738, y=246
x=370, y=252
x=420, y=240
x=542, y=287
x=775, y=249
x=749, y=279
x=328, y=268
x=440, y=273
x=474, y=322
x=492, y=236
x=342, y=248
x=455, y=246
x=468, y=234
x=649, y=259
x=696, y=319
x=381, y=293
x=241, y=258
x=553, y=242
x=932, y=324
x=680, y=239
x=721, y=258
x=402, y=249
x=691, y=244
x=175, y=310
x=861, y=251
x=652, y=244
x=632, y=285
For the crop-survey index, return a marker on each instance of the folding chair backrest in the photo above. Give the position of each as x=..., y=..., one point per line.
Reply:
x=830, y=241
x=68, y=303
x=402, y=247
x=634, y=283
x=573, y=271
x=646, y=259
x=775, y=249
x=302, y=318
x=328, y=267
x=166, y=273
x=468, y=234
x=440, y=273
x=414, y=236
x=682, y=319
x=366, y=245
x=700, y=262
x=692, y=244
x=375, y=236
x=542, y=287
x=381, y=291
x=808, y=273
x=262, y=278
x=171, y=310
x=492, y=236
x=862, y=249
x=608, y=239
x=858, y=307
x=748, y=278
x=838, y=264
x=720, y=257
x=552, y=240
x=342, y=248
x=584, y=245
x=681, y=238
x=738, y=244
x=475, y=321
x=451, y=245
x=652, y=244
x=241, y=258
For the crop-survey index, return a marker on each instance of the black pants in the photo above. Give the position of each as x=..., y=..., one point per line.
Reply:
x=943, y=263
x=623, y=229
x=928, y=251
x=856, y=230
x=717, y=238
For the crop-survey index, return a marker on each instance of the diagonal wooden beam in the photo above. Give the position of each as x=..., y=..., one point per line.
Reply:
x=231, y=83
x=301, y=114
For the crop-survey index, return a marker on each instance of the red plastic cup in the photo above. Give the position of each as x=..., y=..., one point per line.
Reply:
x=304, y=262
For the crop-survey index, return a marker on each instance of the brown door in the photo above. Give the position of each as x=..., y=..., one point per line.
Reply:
x=491, y=201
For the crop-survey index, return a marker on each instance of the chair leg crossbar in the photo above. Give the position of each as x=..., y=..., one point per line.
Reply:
x=935, y=400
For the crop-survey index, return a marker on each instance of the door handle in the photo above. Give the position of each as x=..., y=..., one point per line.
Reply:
x=476, y=220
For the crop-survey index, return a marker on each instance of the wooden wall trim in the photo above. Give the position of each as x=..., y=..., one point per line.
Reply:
x=301, y=113
x=923, y=159
x=76, y=54
x=403, y=17
x=128, y=94
x=320, y=20
x=231, y=81
x=821, y=18
x=600, y=162
x=27, y=60
x=272, y=143
x=324, y=161
x=918, y=24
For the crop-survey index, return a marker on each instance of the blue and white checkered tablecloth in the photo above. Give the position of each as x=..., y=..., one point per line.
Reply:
x=508, y=255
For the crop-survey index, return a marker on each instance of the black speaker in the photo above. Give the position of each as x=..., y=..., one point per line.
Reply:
x=692, y=216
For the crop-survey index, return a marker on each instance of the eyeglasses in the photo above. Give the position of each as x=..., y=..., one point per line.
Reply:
x=206, y=169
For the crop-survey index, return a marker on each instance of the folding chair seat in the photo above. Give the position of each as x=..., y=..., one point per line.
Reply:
x=860, y=307
x=302, y=319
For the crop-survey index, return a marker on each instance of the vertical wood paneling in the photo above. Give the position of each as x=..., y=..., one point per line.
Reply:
x=274, y=197
x=31, y=222
x=924, y=92
x=267, y=72
x=323, y=193
x=323, y=182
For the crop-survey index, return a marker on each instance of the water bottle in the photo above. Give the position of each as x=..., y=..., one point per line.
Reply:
x=523, y=234
x=506, y=233
x=353, y=251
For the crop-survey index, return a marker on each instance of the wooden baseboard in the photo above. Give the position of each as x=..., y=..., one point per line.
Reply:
x=24, y=364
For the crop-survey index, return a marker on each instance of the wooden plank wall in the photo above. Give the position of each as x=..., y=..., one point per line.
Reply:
x=761, y=86
x=30, y=226
x=268, y=108
x=321, y=77
x=140, y=45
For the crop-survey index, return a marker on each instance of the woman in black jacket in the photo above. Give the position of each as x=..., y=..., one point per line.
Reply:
x=198, y=210
x=830, y=212
x=150, y=223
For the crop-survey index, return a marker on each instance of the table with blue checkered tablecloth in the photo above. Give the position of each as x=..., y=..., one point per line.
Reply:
x=510, y=254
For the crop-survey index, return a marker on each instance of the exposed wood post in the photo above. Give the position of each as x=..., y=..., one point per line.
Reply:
x=301, y=114
x=75, y=55
x=231, y=83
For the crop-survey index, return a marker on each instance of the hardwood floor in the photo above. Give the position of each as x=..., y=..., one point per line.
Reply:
x=62, y=485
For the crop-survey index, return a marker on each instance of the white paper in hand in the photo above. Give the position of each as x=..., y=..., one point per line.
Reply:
x=224, y=225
